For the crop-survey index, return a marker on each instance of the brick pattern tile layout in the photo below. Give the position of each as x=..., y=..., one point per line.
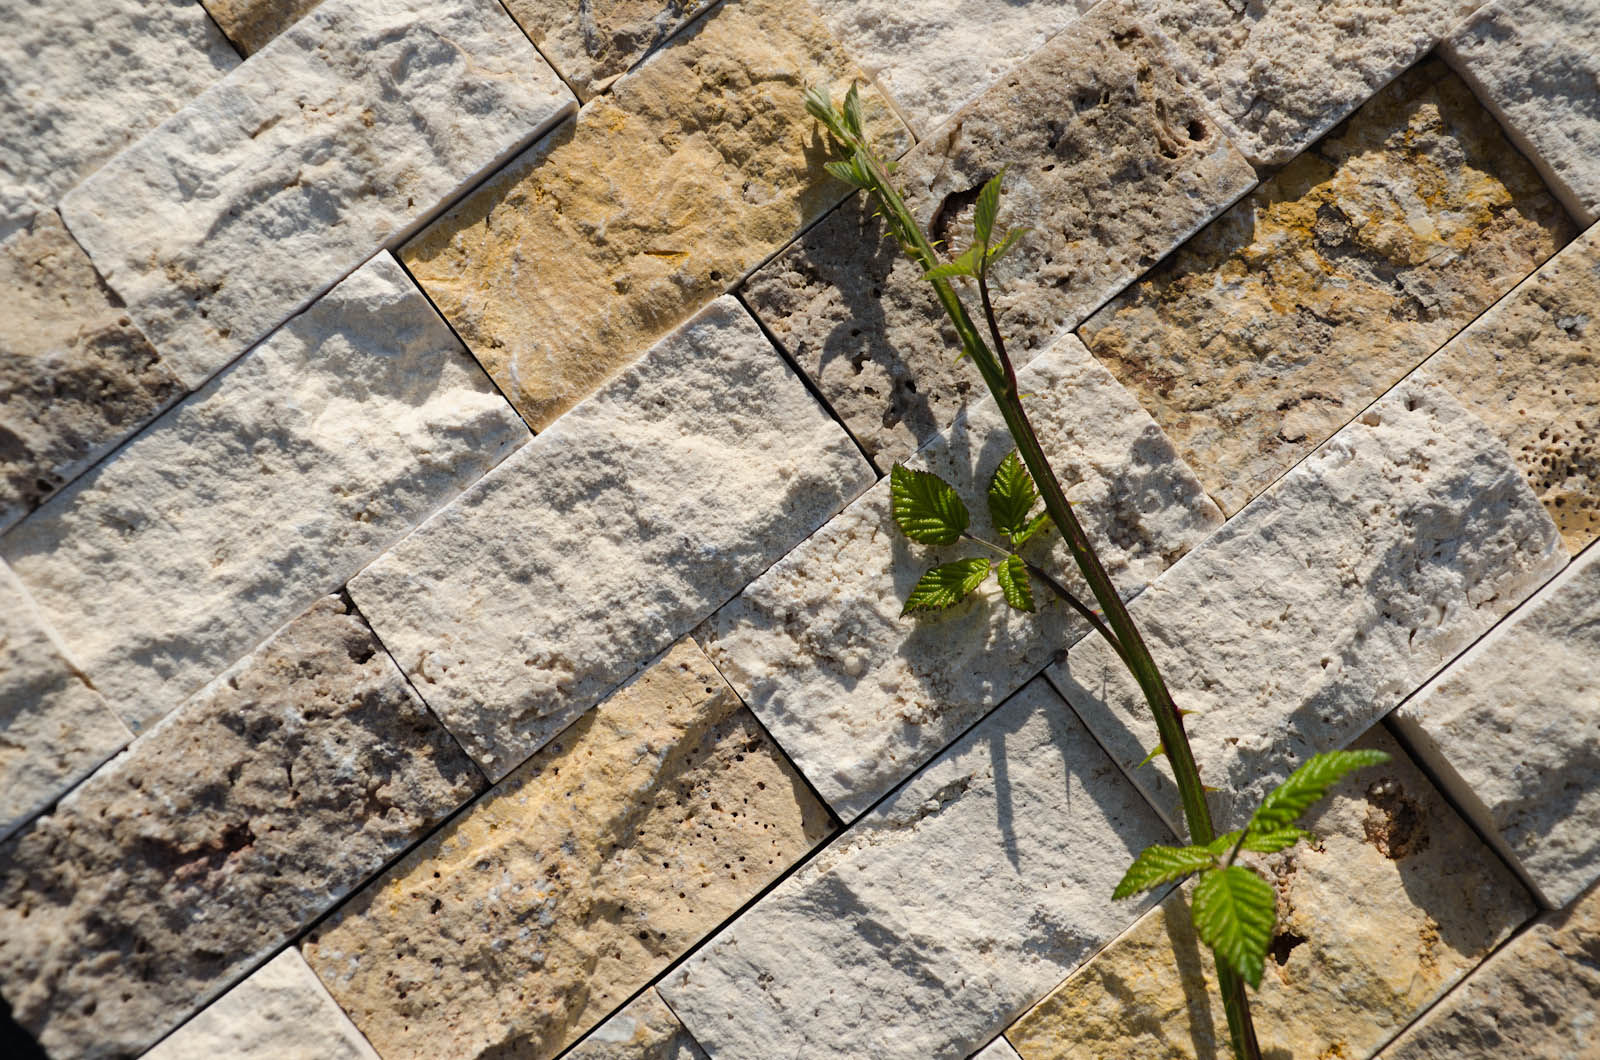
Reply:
x=455, y=602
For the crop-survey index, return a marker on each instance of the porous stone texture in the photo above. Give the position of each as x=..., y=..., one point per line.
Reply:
x=79, y=81
x=1280, y=73
x=250, y=24
x=932, y=56
x=1326, y=602
x=860, y=696
x=1110, y=163
x=54, y=727
x=1530, y=368
x=280, y=1011
x=593, y=42
x=1537, y=997
x=649, y=203
x=1513, y=729
x=576, y=880
x=645, y=1030
x=76, y=376
x=214, y=838
x=941, y=915
x=355, y=123
x=1394, y=901
x=1536, y=64
x=609, y=536
x=1302, y=304
x=999, y=1049
x=263, y=491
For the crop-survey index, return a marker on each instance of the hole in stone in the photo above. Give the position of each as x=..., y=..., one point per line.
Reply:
x=1283, y=945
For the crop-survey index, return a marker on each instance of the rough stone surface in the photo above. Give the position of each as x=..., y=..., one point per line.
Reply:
x=1294, y=310
x=261, y=492
x=352, y=125
x=593, y=43
x=54, y=727
x=76, y=376
x=999, y=1049
x=1395, y=900
x=940, y=916
x=1536, y=64
x=860, y=696
x=645, y=1030
x=653, y=200
x=1109, y=162
x=1530, y=369
x=1513, y=727
x=523, y=922
x=1536, y=998
x=1280, y=73
x=213, y=839
x=610, y=535
x=933, y=56
x=280, y=1012
x=250, y=24
x=79, y=81
x=1330, y=599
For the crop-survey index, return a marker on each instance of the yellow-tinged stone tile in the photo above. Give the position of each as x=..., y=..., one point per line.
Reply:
x=250, y=24
x=577, y=879
x=1530, y=369
x=1319, y=291
x=654, y=198
x=1395, y=901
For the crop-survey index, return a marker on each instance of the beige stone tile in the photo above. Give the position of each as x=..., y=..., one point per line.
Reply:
x=578, y=878
x=1299, y=306
x=250, y=24
x=645, y=1030
x=593, y=42
x=625, y=219
x=1395, y=900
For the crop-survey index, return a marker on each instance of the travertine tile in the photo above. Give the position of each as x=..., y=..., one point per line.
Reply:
x=523, y=922
x=250, y=24
x=649, y=203
x=352, y=125
x=281, y=1011
x=1530, y=368
x=1280, y=73
x=76, y=377
x=80, y=81
x=218, y=835
x=593, y=42
x=1288, y=315
x=1330, y=599
x=54, y=727
x=1513, y=730
x=999, y=1049
x=860, y=696
x=609, y=536
x=263, y=491
x=1395, y=901
x=1109, y=162
x=1535, y=998
x=941, y=915
x=1536, y=64
x=645, y=1030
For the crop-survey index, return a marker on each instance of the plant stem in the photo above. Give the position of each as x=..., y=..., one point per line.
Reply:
x=1089, y=614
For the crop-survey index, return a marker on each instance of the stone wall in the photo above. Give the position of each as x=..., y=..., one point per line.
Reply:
x=450, y=605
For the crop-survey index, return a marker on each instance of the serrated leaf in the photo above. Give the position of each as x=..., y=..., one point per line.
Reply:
x=845, y=171
x=1308, y=784
x=965, y=265
x=926, y=507
x=1234, y=912
x=1011, y=496
x=1156, y=865
x=1005, y=246
x=820, y=106
x=1039, y=522
x=988, y=208
x=946, y=585
x=852, y=113
x=1223, y=844
x=1013, y=575
x=1274, y=841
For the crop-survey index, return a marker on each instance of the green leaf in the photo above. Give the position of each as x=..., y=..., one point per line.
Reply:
x=1005, y=246
x=965, y=265
x=847, y=172
x=946, y=585
x=1039, y=522
x=852, y=113
x=1223, y=844
x=1013, y=575
x=1234, y=911
x=1158, y=864
x=1274, y=841
x=1306, y=785
x=926, y=507
x=1011, y=496
x=987, y=210
x=820, y=106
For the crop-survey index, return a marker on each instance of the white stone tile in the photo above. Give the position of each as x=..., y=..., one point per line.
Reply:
x=263, y=491
x=610, y=535
x=999, y=1049
x=1326, y=601
x=861, y=697
x=332, y=142
x=1512, y=728
x=79, y=81
x=937, y=918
